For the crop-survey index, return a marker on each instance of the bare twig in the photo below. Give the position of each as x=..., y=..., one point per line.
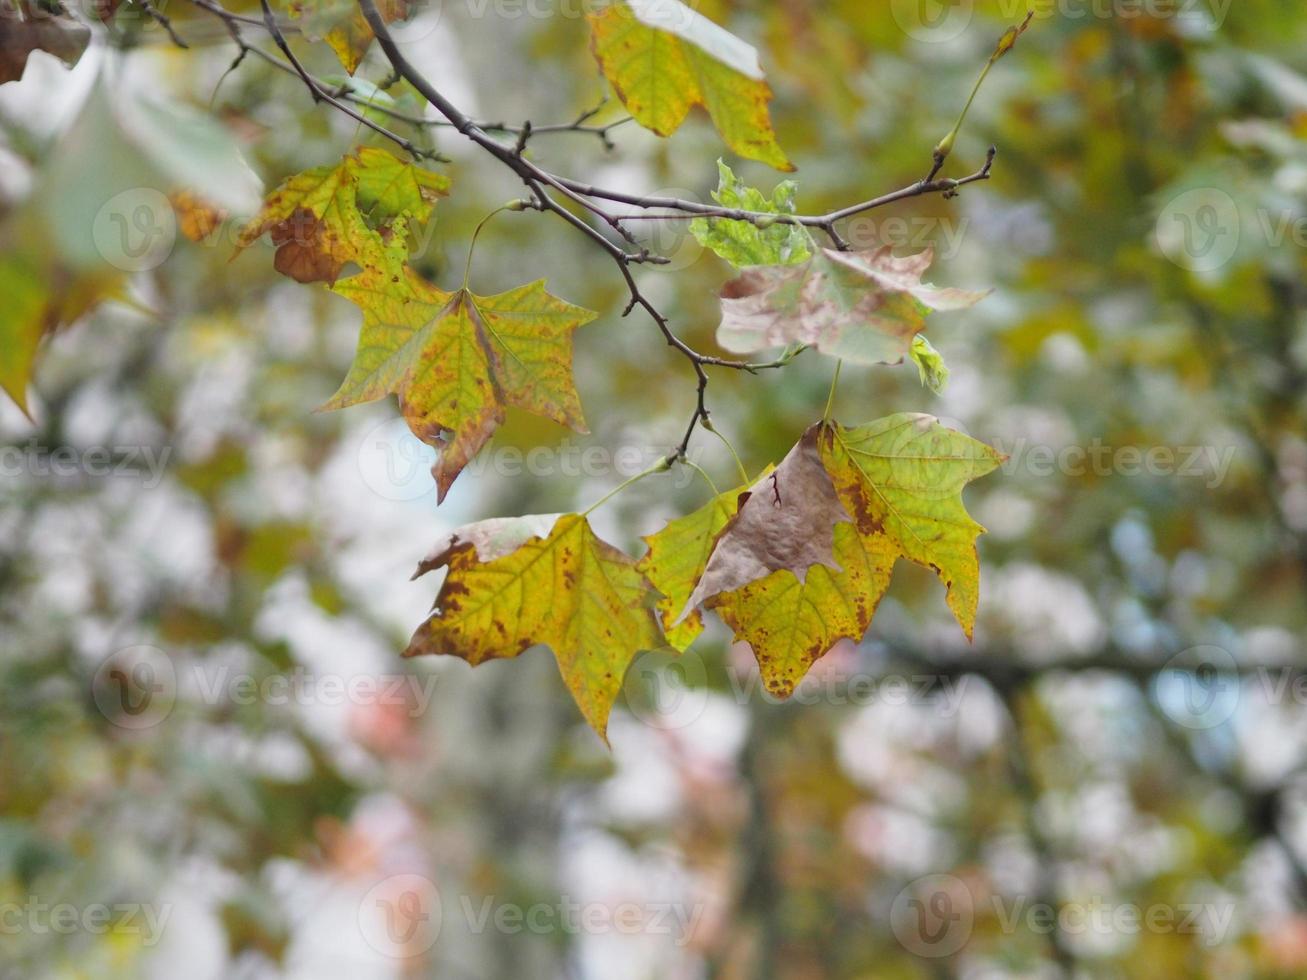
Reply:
x=160, y=18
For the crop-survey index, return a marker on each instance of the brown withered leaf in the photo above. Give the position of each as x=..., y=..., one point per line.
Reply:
x=492, y=538
x=786, y=520
x=864, y=307
x=25, y=28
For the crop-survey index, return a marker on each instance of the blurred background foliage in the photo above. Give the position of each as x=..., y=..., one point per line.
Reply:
x=1054, y=761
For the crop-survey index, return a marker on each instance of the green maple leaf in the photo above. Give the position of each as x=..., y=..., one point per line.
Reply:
x=458, y=360
x=930, y=364
x=901, y=478
x=864, y=307
x=743, y=243
x=662, y=59
x=515, y=585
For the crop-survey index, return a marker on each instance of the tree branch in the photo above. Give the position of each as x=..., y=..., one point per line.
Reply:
x=584, y=196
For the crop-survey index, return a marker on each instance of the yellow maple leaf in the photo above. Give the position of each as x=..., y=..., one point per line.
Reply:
x=791, y=623
x=676, y=560
x=567, y=590
x=662, y=59
x=458, y=360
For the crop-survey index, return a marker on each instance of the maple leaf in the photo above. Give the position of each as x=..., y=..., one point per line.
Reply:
x=41, y=296
x=901, y=478
x=662, y=58
x=197, y=219
x=390, y=188
x=786, y=520
x=676, y=560
x=26, y=27
x=791, y=623
x=356, y=211
x=342, y=25
x=568, y=590
x=21, y=326
x=865, y=307
x=743, y=243
x=458, y=360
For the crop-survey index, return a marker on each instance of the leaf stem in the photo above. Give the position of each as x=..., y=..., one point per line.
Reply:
x=662, y=466
x=703, y=473
x=510, y=206
x=945, y=146
x=739, y=463
x=830, y=399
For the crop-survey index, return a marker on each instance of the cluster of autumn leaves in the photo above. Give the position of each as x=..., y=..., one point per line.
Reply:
x=793, y=563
